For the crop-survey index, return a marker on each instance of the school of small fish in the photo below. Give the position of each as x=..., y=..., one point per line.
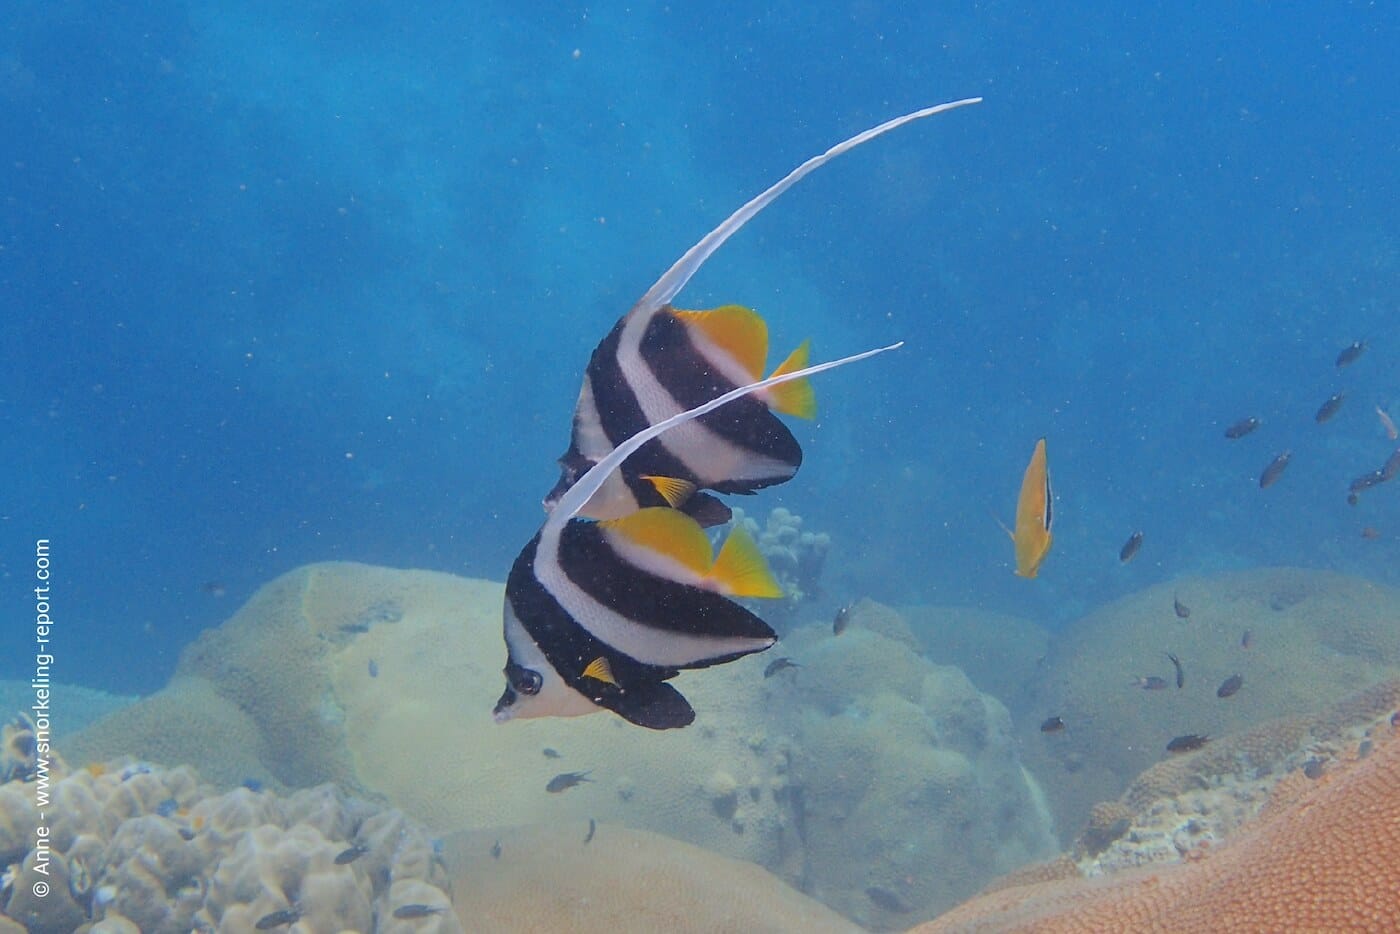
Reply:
x=1272, y=473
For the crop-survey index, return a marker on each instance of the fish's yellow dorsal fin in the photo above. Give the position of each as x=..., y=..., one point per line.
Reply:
x=797, y=397
x=740, y=570
x=738, y=331
x=672, y=489
x=600, y=670
x=666, y=532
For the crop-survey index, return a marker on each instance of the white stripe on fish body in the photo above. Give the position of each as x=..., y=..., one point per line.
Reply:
x=614, y=498
x=589, y=438
x=647, y=644
x=555, y=698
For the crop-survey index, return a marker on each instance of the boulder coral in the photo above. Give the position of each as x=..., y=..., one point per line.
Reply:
x=382, y=682
x=1315, y=637
x=546, y=878
x=910, y=790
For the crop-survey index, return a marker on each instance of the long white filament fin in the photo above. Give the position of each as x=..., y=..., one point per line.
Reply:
x=578, y=495
x=675, y=278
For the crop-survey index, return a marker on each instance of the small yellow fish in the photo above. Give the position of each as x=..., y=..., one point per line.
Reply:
x=1033, y=515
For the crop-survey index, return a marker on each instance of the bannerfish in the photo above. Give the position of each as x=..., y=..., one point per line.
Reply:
x=1241, y=428
x=1330, y=408
x=659, y=361
x=1130, y=548
x=600, y=615
x=1350, y=354
x=1275, y=470
x=1182, y=610
x=566, y=780
x=1187, y=743
x=1230, y=686
x=1387, y=423
x=1034, y=515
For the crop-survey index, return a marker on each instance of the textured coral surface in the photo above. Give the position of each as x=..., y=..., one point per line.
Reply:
x=1315, y=637
x=1323, y=856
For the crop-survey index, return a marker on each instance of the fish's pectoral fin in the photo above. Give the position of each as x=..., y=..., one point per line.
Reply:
x=707, y=510
x=600, y=670
x=796, y=398
x=667, y=532
x=738, y=331
x=655, y=705
x=740, y=569
x=673, y=490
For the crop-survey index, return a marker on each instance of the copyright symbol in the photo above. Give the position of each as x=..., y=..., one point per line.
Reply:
x=41, y=888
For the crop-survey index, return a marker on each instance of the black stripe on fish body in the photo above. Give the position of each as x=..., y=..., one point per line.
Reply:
x=650, y=600
x=621, y=415
x=691, y=380
x=640, y=695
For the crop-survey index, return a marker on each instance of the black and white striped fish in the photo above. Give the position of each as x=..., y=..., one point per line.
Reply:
x=600, y=615
x=658, y=361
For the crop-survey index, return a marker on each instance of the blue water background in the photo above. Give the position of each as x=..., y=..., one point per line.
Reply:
x=291, y=283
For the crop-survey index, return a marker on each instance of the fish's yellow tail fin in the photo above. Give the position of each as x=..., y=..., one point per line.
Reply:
x=796, y=398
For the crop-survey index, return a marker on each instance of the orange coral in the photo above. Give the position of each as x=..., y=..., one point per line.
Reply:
x=1325, y=856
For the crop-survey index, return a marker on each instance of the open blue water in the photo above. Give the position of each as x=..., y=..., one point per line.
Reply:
x=289, y=283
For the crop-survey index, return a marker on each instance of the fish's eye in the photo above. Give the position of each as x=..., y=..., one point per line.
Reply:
x=524, y=680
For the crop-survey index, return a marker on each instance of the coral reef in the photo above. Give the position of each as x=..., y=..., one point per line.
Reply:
x=1314, y=638
x=1000, y=654
x=382, y=681
x=1322, y=855
x=795, y=557
x=137, y=847
x=894, y=758
x=546, y=878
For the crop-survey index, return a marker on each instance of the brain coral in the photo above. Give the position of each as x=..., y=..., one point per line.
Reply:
x=1314, y=637
x=1323, y=856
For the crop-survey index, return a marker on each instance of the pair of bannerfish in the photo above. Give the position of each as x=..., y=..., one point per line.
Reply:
x=620, y=590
